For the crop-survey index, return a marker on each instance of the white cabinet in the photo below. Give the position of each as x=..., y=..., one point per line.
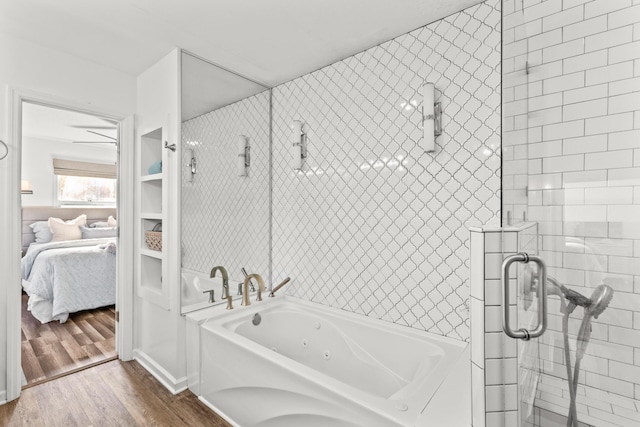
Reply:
x=152, y=208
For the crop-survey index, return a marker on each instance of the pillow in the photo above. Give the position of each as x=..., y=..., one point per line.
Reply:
x=42, y=231
x=111, y=221
x=99, y=224
x=98, y=233
x=69, y=230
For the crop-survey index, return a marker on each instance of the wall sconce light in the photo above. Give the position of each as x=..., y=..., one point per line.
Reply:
x=244, y=160
x=191, y=165
x=431, y=117
x=298, y=146
x=25, y=187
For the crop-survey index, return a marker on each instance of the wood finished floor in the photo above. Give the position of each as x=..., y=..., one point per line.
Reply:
x=112, y=394
x=53, y=349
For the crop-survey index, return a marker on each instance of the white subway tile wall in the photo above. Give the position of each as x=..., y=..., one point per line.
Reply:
x=503, y=371
x=225, y=217
x=586, y=195
x=373, y=224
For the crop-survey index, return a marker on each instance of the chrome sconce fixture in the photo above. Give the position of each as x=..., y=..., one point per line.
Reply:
x=431, y=117
x=191, y=165
x=298, y=144
x=244, y=160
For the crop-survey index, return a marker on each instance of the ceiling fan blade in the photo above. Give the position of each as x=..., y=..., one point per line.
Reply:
x=101, y=134
x=94, y=127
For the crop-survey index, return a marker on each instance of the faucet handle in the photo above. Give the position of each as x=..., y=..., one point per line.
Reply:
x=211, y=295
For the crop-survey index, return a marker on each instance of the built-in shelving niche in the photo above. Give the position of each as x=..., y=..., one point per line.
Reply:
x=152, y=210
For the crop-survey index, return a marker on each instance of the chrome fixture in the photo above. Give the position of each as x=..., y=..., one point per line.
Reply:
x=191, y=165
x=298, y=144
x=225, y=280
x=274, y=290
x=171, y=147
x=256, y=319
x=245, y=288
x=244, y=160
x=431, y=117
x=593, y=307
x=522, y=333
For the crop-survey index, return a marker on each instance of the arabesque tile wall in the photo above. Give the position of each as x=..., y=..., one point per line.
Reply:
x=373, y=224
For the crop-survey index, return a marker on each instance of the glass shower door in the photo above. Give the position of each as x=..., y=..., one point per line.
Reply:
x=571, y=166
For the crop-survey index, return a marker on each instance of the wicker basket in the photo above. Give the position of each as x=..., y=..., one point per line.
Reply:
x=153, y=238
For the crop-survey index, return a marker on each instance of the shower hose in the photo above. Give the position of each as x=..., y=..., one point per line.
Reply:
x=582, y=340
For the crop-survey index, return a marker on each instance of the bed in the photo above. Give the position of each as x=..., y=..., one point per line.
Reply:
x=73, y=274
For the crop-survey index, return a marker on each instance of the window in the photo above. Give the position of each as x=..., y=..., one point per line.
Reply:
x=85, y=182
x=84, y=189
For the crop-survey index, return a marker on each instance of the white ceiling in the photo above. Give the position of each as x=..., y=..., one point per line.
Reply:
x=54, y=124
x=270, y=42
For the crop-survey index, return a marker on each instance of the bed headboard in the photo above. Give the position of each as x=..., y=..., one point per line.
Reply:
x=31, y=214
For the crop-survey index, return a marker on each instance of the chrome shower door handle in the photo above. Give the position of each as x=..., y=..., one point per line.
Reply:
x=522, y=333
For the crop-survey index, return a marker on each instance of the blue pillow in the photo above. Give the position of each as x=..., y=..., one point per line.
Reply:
x=42, y=231
x=98, y=233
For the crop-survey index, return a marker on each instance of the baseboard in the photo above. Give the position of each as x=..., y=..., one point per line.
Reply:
x=3, y=397
x=174, y=385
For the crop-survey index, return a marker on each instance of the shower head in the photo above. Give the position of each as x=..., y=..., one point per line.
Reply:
x=600, y=300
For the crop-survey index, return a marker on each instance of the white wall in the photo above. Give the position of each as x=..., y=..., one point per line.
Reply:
x=29, y=66
x=37, y=165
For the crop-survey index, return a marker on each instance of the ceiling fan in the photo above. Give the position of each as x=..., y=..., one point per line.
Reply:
x=112, y=140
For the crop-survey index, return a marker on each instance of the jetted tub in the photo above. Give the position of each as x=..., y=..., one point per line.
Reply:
x=304, y=364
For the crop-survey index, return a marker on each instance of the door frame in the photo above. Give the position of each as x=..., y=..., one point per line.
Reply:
x=126, y=185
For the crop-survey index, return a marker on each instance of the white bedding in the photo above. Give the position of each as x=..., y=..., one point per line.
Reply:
x=65, y=277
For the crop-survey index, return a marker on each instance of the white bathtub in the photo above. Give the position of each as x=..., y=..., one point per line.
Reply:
x=309, y=365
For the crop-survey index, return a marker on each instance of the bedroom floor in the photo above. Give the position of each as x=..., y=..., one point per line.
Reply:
x=114, y=393
x=55, y=349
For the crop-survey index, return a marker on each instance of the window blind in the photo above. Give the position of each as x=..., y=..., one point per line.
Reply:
x=90, y=169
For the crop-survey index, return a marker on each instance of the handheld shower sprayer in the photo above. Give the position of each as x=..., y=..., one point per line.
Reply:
x=569, y=300
x=600, y=299
x=593, y=307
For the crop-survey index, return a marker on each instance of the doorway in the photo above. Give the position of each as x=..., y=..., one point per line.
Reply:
x=69, y=216
x=124, y=256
